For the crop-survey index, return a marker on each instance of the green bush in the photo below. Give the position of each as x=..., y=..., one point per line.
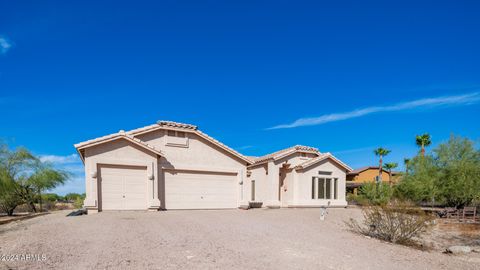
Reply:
x=71, y=197
x=374, y=194
x=51, y=197
x=78, y=203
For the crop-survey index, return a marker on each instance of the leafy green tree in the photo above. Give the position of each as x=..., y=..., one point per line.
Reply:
x=8, y=199
x=451, y=175
x=24, y=177
x=423, y=141
x=420, y=183
x=45, y=177
x=380, y=152
x=459, y=165
x=406, y=162
x=14, y=168
x=389, y=167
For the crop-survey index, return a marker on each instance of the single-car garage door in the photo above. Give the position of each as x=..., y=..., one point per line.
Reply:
x=197, y=190
x=123, y=188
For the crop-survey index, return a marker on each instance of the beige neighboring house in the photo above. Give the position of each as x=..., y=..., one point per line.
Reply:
x=171, y=165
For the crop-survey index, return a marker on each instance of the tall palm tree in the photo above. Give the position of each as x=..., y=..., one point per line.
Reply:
x=389, y=167
x=423, y=141
x=406, y=161
x=380, y=152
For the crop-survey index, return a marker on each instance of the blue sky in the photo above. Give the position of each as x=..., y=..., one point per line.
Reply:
x=342, y=76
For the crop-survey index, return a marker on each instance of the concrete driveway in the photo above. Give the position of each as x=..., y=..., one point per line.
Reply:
x=223, y=239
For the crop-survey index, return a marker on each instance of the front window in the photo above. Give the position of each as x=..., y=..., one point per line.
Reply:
x=324, y=188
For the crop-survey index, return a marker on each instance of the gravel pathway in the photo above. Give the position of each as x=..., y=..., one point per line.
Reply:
x=227, y=239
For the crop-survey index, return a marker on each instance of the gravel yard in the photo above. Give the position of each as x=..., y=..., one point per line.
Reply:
x=228, y=239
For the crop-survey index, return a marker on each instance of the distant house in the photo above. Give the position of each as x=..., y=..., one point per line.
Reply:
x=359, y=176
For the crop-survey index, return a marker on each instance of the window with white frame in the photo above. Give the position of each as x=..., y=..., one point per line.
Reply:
x=324, y=188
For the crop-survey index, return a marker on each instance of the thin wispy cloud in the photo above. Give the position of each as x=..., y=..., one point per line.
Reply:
x=60, y=160
x=71, y=164
x=355, y=150
x=5, y=45
x=457, y=100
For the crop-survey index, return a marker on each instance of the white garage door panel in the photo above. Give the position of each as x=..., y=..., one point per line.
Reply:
x=186, y=190
x=123, y=188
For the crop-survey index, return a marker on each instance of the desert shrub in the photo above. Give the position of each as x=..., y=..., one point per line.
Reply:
x=63, y=206
x=51, y=197
x=71, y=197
x=396, y=222
x=375, y=194
x=49, y=205
x=354, y=199
x=78, y=203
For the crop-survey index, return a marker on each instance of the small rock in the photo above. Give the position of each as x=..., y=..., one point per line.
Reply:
x=476, y=249
x=459, y=249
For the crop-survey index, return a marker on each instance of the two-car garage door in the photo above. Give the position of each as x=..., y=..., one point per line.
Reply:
x=197, y=190
x=125, y=188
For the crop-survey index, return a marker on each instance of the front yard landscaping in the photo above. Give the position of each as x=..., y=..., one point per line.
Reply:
x=227, y=239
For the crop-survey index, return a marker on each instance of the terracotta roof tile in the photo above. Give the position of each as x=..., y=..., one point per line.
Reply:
x=159, y=125
x=286, y=151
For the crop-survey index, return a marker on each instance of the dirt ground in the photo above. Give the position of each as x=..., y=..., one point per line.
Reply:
x=223, y=239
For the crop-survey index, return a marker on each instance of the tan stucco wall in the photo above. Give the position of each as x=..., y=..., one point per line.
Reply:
x=258, y=174
x=297, y=183
x=118, y=152
x=198, y=155
x=304, y=186
x=199, y=152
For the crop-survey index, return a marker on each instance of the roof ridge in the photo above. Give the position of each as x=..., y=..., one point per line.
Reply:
x=281, y=151
x=176, y=124
x=322, y=156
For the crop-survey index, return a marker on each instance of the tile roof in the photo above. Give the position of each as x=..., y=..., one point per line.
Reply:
x=119, y=135
x=159, y=125
x=285, y=152
x=359, y=170
x=324, y=156
x=176, y=124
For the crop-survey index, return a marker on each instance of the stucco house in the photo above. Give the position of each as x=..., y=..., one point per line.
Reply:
x=171, y=165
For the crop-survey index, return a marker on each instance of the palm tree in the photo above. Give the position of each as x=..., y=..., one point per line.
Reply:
x=406, y=161
x=389, y=167
x=423, y=141
x=380, y=152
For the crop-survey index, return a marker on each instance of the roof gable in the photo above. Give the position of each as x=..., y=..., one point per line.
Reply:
x=320, y=158
x=121, y=135
x=286, y=152
x=168, y=125
x=362, y=169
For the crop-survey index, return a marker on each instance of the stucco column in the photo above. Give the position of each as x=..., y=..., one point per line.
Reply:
x=153, y=186
x=91, y=198
x=273, y=180
x=243, y=195
x=294, y=187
